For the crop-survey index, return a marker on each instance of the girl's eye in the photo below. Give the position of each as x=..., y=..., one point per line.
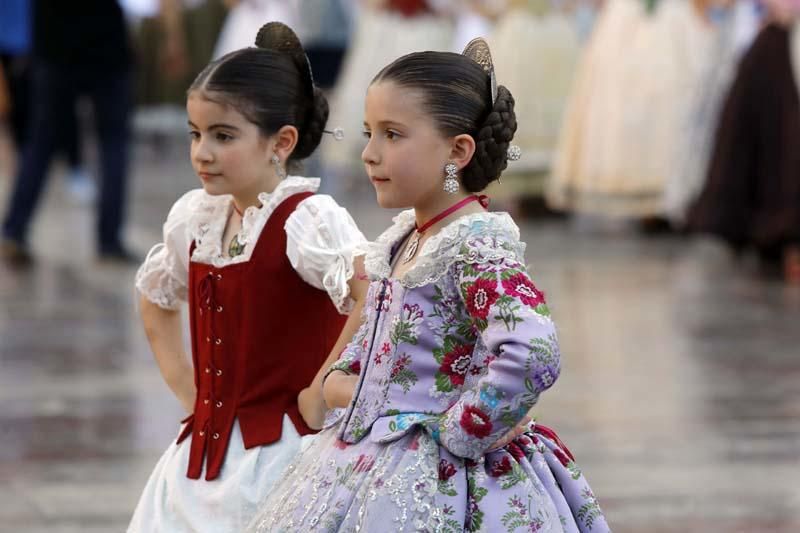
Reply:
x=392, y=134
x=224, y=137
x=366, y=134
x=194, y=135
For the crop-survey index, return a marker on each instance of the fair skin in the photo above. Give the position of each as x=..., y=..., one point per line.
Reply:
x=231, y=156
x=405, y=158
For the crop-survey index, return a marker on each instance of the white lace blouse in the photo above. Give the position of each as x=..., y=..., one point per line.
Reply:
x=322, y=241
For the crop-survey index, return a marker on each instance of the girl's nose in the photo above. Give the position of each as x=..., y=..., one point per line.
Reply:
x=201, y=152
x=370, y=154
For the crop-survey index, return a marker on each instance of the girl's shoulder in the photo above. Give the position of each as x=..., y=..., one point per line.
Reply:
x=474, y=238
x=195, y=212
x=197, y=202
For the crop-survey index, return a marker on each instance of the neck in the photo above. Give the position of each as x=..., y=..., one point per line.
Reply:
x=427, y=211
x=249, y=197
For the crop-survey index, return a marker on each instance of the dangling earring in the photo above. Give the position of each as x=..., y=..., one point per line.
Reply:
x=450, y=181
x=279, y=170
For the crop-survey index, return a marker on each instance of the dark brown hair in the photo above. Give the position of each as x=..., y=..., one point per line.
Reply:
x=456, y=94
x=271, y=86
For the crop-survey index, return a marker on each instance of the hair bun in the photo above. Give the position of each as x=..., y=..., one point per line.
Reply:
x=313, y=127
x=491, y=144
x=279, y=37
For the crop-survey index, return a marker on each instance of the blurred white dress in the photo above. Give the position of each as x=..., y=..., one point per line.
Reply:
x=628, y=111
x=380, y=37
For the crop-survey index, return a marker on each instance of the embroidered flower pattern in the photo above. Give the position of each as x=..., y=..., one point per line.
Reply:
x=406, y=324
x=446, y=470
x=400, y=373
x=454, y=360
x=501, y=467
x=456, y=363
x=520, y=286
x=475, y=422
x=479, y=296
x=452, y=366
x=385, y=350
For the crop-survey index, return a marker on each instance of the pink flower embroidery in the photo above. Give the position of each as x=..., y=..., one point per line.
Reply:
x=520, y=286
x=481, y=295
x=501, y=467
x=475, y=422
x=446, y=470
x=385, y=349
x=456, y=363
x=399, y=365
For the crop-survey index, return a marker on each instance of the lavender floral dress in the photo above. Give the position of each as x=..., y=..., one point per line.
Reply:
x=450, y=357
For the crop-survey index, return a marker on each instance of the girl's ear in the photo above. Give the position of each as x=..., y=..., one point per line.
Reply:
x=285, y=140
x=462, y=149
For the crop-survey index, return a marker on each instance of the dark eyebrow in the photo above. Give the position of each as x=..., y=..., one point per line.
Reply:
x=387, y=123
x=216, y=126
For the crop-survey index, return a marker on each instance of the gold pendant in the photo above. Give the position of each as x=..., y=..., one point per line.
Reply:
x=411, y=249
x=235, y=248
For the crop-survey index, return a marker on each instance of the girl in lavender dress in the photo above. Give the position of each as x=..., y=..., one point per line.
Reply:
x=456, y=341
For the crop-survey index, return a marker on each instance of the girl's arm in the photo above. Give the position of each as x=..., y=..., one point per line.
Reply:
x=311, y=402
x=522, y=358
x=164, y=331
x=339, y=389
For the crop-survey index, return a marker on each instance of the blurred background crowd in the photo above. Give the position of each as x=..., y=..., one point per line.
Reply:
x=678, y=115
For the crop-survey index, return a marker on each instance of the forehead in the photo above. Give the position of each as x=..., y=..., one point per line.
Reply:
x=205, y=107
x=388, y=102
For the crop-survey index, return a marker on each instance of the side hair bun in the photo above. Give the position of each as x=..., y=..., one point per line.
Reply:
x=491, y=143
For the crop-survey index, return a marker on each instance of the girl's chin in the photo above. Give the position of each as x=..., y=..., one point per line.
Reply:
x=214, y=189
x=389, y=201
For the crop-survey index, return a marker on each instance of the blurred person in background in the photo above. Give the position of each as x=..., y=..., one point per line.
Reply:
x=326, y=28
x=15, y=50
x=382, y=31
x=751, y=198
x=79, y=48
x=247, y=16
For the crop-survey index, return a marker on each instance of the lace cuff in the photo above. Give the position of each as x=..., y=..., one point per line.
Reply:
x=322, y=242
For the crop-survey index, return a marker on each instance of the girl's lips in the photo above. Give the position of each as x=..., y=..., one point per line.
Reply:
x=205, y=176
x=375, y=179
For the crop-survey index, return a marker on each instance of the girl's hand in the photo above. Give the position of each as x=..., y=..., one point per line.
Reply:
x=338, y=389
x=311, y=407
x=521, y=428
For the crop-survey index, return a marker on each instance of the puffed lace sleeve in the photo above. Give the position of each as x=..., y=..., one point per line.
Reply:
x=164, y=275
x=321, y=242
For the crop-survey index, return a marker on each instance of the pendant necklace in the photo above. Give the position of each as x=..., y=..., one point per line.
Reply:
x=236, y=248
x=413, y=244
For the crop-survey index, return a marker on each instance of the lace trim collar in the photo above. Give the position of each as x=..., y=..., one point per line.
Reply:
x=210, y=215
x=473, y=238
